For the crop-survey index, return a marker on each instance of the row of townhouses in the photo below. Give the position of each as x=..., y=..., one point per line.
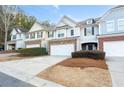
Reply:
x=105, y=33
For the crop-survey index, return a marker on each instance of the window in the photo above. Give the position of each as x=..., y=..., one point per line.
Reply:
x=92, y=30
x=50, y=34
x=88, y=31
x=120, y=24
x=39, y=34
x=19, y=35
x=61, y=35
x=27, y=36
x=90, y=47
x=85, y=33
x=89, y=21
x=110, y=26
x=32, y=36
x=84, y=47
x=72, y=32
x=14, y=36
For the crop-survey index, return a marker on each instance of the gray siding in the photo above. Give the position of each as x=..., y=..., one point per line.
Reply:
x=113, y=15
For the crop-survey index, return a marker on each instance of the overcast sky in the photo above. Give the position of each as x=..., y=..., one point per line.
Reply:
x=53, y=13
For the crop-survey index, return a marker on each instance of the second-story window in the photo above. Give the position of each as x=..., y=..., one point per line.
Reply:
x=27, y=36
x=110, y=26
x=120, y=24
x=88, y=31
x=19, y=36
x=14, y=37
x=72, y=32
x=92, y=30
x=50, y=34
x=85, y=33
x=39, y=34
x=61, y=35
x=32, y=36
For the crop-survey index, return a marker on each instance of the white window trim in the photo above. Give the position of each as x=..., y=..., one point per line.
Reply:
x=118, y=23
x=113, y=27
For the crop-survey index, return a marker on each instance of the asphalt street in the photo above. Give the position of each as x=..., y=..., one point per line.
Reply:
x=9, y=81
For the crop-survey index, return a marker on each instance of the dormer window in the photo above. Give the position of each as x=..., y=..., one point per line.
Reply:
x=89, y=21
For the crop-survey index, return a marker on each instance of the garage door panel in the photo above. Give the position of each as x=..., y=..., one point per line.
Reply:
x=64, y=50
x=114, y=48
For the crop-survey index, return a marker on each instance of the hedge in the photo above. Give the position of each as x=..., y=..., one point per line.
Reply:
x=89, y=54
x=32, y=51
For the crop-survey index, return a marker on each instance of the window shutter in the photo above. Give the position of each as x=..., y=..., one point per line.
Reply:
x=85, y=32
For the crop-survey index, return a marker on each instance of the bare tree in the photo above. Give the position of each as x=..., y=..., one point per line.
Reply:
x=7, y=13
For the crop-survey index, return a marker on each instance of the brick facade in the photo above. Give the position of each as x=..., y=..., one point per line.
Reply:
x=109, y=38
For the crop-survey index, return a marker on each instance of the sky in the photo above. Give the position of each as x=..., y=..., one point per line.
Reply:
x=54, y=13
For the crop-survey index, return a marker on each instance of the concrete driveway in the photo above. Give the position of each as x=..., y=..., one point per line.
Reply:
x=116, y=68
x=27, y=69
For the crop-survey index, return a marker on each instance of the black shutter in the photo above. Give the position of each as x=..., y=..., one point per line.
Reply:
x=92, y=30
x=85, y=32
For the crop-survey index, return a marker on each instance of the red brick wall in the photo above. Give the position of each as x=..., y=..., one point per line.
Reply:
x=109, y=38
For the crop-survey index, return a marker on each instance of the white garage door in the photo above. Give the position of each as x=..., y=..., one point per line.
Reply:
x=114, y=48
x=63, y=50
x=32, y=46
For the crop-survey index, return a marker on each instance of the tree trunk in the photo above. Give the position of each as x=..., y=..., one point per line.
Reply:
x=5, y=42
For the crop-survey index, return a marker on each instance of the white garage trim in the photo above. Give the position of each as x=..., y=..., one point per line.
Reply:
x=33, y=45
x=114, y=48
x=62, y=50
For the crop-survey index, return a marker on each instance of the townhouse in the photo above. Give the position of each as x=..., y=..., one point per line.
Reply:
x=36, y=36
x=104, y=33
x=17, y=39
x=89, y=29
x=66, y=38
x=111, y=32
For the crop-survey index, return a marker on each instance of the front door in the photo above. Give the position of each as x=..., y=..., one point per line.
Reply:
x=90, y=46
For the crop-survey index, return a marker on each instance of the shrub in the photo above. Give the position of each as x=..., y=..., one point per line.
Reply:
x=32, y=51
x=89, y=54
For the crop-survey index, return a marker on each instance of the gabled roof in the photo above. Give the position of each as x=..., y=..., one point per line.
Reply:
x=69, y=19
x=20, y=30
x=66, y=18
x=110, y=10
x=83, y=23
x=43, y=27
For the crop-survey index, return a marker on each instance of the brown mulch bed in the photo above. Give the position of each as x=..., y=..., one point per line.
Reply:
x=79, y=72
x=83, y=63
x=11, y=59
